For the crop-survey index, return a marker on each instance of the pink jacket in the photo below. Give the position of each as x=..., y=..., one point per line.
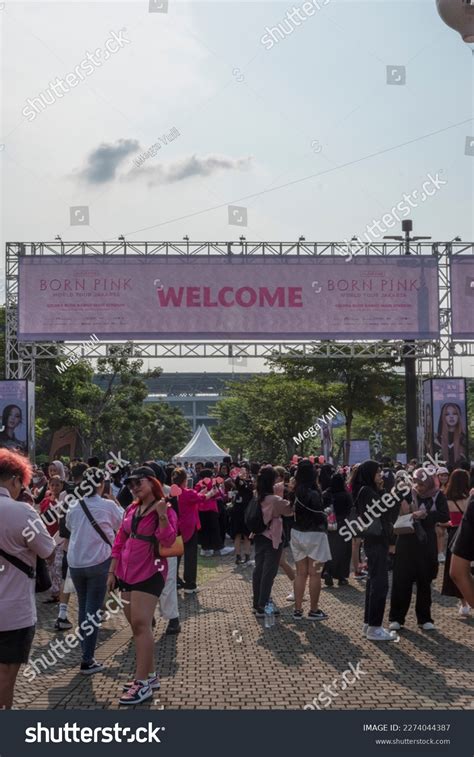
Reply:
x=208, y=505
x=136, y=558
x=188, y=504
x=273, y=507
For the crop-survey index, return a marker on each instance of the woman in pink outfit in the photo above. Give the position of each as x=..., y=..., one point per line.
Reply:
x=189, y=526
x=140, y=575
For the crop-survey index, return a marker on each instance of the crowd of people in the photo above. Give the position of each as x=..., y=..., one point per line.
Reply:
x=138, y=529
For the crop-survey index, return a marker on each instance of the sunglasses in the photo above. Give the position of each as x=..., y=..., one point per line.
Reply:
x=136, y=482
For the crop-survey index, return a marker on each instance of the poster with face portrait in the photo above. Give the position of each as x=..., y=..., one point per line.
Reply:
x=428, y=432
x=17, y=416
x=449, y=413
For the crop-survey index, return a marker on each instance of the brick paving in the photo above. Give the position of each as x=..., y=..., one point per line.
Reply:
x=224, y=658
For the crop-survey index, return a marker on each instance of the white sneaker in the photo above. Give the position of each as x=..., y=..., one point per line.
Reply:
x=207, y=552
x=291, y=597
x=464, y=610
x=394, y=626
x=226, y=550
x=427, y=626
x=375, y=633
x=441, y=557
x=365, y=628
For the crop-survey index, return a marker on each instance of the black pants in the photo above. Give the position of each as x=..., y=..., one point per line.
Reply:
x=223, y=521
x=210, y=535
x=376, y=588
x=190, y=561
x=413, y=564
x=267, y=560
x=340, y=564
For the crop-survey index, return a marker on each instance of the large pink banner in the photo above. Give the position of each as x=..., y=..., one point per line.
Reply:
x=462, y=296
x=231, y=298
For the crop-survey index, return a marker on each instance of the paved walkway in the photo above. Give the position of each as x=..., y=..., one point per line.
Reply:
x=224, y=658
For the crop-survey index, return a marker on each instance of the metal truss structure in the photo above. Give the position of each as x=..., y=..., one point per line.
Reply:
x=435, y=357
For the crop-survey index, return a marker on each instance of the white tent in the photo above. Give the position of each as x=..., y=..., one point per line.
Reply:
x=201, y=447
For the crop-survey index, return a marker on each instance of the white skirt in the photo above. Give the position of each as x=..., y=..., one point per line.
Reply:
x=313, y=544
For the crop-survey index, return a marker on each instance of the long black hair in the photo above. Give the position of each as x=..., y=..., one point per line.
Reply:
x=305, y=478
x=365, y=476
x=265, y=482
x=6, y=412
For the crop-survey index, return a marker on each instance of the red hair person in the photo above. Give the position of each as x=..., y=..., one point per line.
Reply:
x=140, y=575
x=23, y=537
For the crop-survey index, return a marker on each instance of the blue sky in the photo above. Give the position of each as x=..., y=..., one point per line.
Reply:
x=249, y=119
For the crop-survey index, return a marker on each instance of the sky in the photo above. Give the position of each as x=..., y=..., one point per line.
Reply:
x=316, y=132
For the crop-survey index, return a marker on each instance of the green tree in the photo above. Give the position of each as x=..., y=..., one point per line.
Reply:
x=261, y=416
x=108, y=413
x=162, y=433
x=352, y=384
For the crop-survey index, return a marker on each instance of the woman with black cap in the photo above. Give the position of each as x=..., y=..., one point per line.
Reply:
x=367, y=491
x=140, y=574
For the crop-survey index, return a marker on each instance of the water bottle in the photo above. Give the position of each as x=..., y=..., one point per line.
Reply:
x=269, y=614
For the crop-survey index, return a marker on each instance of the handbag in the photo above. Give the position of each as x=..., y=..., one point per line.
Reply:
x=374, y=528
x=160, y=551
x=404, y=525
x=40, y=575
x=176, y=549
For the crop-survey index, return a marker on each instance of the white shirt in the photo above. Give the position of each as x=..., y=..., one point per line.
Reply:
x=86, y=547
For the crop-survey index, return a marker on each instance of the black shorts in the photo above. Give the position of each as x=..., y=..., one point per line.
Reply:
x=15, y=646
x=153, y=585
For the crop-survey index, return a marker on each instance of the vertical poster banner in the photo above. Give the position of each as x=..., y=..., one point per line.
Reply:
x=14, y=415
x=30, y=394
x=327, y=440
x=428, y=435
x=450, y=420
x=462, y=296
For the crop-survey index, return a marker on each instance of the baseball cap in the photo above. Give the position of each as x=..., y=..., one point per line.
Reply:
x=143, y=472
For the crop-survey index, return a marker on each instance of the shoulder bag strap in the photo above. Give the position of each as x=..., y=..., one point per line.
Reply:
x=27, y=569
x=93, y=523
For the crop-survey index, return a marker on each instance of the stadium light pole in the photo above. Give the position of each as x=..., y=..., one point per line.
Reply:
x=410, y=362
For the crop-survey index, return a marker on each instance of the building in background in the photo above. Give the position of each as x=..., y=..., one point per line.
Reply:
x=195, y=394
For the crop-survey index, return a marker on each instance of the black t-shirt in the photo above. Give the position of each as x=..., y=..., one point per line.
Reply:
x=309, y=510
x=464, y=544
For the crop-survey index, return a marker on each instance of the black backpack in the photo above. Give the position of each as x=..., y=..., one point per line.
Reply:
x=254, y=517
